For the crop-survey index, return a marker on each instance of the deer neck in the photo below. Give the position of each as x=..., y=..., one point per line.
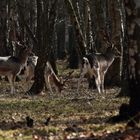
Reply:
x=23, y=59
x=55, y=79
x=110, y=56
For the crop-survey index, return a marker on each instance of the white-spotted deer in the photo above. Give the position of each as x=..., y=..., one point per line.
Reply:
x=51, y=79
x=11, y=66
x=97, y=64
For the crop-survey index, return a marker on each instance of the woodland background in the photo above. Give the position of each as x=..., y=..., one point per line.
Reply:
x=68, y=29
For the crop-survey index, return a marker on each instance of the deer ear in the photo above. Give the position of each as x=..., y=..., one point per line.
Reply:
x=85, y=60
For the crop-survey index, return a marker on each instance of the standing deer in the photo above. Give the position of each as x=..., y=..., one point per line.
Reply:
x=50, y=77
x=11, y=66
x=96, y=65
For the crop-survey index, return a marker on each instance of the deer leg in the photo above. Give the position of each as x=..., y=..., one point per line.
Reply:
x=47, y=80
x=98, y=81
x=28, y=80
x=49, y=84
x=29, y=73
x=11, y=79
x=98, y=84
x=102, y=83
x=27, y=83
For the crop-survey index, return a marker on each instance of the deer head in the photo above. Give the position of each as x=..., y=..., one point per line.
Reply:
x=64, y=80
x=110, y=43
x=24, y=49
x=113, y=50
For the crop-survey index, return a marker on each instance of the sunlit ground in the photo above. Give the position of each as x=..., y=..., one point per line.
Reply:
x=72, y=115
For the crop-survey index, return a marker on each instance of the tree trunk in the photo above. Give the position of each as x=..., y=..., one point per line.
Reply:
x=81, y=49
x=60, y=30
x=38, y=84
x=132, y=110
x=124, y=51
x=45, y=30
x=89, y=34
x=4, y=25
x=73, y=56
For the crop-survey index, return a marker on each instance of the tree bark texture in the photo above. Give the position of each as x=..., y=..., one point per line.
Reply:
x=74, y=19
x=45, y=31
x=132, y=110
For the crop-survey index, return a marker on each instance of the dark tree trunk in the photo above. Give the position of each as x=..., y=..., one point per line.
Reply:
x=4, y=25
x=124, y=51
x=89, y=34
x=38, y=84
x=45, y=30
x=134, y=86
x=73, y=56
x=60, y=30
x=81, y=49
x=132, y=110
x=134, y=59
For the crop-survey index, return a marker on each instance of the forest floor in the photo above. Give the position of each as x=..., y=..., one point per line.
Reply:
x=73, y=116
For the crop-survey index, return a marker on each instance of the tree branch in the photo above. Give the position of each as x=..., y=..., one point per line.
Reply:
x=29, y=31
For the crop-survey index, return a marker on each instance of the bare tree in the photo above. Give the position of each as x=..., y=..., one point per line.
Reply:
x=124, y=50
x=46, y=15
x=79, y=34
x=4, y=25
x=131, y=64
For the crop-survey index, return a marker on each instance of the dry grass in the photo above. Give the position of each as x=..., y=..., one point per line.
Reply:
x=80, y=114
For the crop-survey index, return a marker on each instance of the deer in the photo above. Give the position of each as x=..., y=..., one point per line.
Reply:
x=11, y=66
x=49, y=75
x=30, y=67
x=97, y=65
x=52, y=79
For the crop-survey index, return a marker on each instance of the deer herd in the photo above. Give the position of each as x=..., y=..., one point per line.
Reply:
x=94, y=64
